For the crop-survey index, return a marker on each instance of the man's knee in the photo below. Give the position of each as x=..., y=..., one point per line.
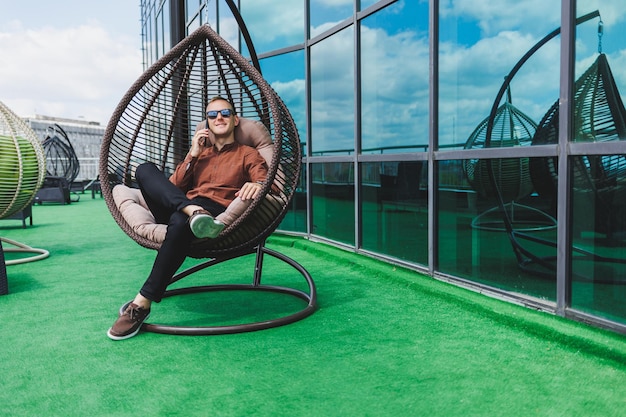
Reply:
x=145, y=169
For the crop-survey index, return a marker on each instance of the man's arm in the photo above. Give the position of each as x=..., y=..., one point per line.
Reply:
x=183, y=175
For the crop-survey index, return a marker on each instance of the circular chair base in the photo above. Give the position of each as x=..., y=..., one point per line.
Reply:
x=22, y=248
x=310, y=298
x=237, y=328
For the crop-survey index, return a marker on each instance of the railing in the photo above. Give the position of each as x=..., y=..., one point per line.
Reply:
x=88, y=169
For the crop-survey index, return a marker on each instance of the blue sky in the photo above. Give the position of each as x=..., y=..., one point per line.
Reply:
x=76, y=58
x=68, y=58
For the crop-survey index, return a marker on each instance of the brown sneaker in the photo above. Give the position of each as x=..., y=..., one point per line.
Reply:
x=129, y=322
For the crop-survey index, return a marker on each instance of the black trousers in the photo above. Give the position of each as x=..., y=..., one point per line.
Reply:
x=165, y=201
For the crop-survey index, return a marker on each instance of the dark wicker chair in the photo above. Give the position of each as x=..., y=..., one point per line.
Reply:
x=61, y=159
x=154, y=121
x=62, y=168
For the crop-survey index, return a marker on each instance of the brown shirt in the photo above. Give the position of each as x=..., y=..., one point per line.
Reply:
x=218, y=175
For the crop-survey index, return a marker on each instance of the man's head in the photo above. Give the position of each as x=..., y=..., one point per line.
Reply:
x=221, y=117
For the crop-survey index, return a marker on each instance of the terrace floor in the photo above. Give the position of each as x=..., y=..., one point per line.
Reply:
x=384, y=341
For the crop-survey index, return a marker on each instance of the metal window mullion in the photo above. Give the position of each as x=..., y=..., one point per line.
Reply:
x=563, y=266
x=433, y=135
x=358, y=211
x=308, y=121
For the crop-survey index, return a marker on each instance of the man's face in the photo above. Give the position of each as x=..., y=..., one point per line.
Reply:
x=222, y=125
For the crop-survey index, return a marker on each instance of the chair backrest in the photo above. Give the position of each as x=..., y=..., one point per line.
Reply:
x=22, y=163
x=158, y=115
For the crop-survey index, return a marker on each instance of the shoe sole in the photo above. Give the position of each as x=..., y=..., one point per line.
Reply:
x=126, y=336
x=204, y=226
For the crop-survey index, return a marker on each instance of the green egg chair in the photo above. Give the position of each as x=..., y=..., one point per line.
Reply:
x=22, y=170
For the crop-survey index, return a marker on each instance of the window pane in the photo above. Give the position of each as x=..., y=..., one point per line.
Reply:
x=270, y=30
x=599, y=235
x=332, y=95
x=394, y=79
x=479, y=47
x=600, y=57
x=295, y=219
x=285, y=73
x=395, y=209
x=324, y=14
x=367, y=3
x=598, y=181
x=333, y=201
x=474, y=238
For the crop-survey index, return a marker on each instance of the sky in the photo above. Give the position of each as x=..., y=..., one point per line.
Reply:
x=68, y=58
x=76, y=58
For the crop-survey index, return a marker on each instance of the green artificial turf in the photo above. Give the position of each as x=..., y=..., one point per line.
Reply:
x=384, y=341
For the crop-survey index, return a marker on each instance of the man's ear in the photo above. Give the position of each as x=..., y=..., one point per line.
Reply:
x=236, y=120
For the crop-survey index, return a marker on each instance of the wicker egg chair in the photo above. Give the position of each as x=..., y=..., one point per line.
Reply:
x=22, y=170
x=507, y=179
x=154, y=121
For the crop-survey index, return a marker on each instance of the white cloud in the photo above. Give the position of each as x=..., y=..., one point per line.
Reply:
x=495, y=16
x=76, y=71
x=266, y=22
x=332, y=3
x=528, y=15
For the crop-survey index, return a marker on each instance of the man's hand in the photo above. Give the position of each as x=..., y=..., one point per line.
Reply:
x=198, y=142
x=249, y=191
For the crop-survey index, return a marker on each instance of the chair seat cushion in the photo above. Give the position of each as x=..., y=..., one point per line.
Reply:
x=135, y=211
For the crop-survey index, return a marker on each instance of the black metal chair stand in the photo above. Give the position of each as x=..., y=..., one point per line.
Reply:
x=4, y=285
x=309, y=298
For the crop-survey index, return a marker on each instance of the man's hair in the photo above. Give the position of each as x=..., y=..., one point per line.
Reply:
x=216, y=98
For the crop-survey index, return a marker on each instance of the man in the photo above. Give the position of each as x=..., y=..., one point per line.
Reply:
x=202, y=186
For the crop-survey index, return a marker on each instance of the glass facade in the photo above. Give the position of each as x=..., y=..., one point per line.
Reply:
x=480, y=142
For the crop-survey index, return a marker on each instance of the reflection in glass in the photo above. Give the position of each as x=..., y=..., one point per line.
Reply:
x=478, y=48
x=475, y=242
x=295, y=219
x=192, y=7
x=599, y=235
x=367, y=3
x=598, y=184
x=271, y=30
x=333, y=201
x=395, y=209
x=285, y=73
x=394, y=79
x=332, y=95
x=324, y=14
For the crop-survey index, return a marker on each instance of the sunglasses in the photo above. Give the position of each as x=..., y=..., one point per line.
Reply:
x=212, y=114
